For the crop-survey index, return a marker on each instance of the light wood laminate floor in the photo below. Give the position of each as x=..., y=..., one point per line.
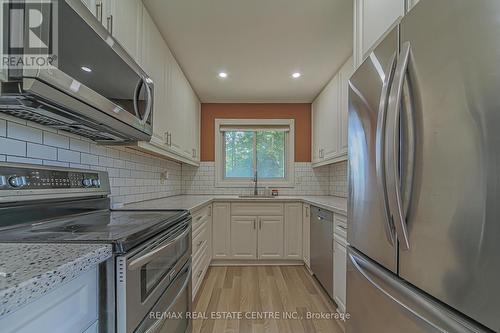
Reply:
x=249, y=290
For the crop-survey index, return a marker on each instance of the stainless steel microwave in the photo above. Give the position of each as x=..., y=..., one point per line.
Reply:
x=95, y=90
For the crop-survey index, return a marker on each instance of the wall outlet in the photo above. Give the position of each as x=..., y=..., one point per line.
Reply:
x=163, y=177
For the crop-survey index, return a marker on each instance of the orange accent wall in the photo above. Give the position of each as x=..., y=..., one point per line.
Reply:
x=300, y=112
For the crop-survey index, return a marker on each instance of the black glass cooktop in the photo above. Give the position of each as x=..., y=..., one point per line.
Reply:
x=123, y=229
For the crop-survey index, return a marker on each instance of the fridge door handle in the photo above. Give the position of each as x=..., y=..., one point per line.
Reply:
x=380, y=147
x=392, y=148
x=411, y=301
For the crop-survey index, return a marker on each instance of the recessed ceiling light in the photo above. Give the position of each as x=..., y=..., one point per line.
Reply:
x=222, y=75
x=296, y=75
x=86, y=69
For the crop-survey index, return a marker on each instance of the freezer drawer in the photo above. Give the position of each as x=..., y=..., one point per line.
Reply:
x=378, y=301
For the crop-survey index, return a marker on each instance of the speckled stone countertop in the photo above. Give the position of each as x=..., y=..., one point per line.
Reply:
x=195, y=202
x=28, y=271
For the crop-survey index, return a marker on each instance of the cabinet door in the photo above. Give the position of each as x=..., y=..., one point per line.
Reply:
x=293, y=231
x=153, y=61
x=270, y=237
x=244, y=237
x=326, y=122
x=410, y=4
x=221, y=226
x=339, y=273
x=373, y=19
x=345, y=74
x=126, y=25
x=306, y=234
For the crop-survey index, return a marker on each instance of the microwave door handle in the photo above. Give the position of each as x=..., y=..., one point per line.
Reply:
x=149, y=103
x=137, y=263
x=160, y=322
x=137, y=92
x=393, y=148
x=380, y=149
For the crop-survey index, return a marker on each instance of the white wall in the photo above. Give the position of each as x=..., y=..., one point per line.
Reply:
x=134, y=176
x=308, y=181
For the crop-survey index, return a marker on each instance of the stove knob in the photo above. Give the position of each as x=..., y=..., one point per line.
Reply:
x=17, y=181
x=96, y=182
x=87, y=182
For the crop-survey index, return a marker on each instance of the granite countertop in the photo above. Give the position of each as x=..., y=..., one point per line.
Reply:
x=194, y=202
x=29, y=271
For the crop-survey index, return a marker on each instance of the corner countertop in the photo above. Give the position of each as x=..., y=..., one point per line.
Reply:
x=195, y=202
x=29, y=271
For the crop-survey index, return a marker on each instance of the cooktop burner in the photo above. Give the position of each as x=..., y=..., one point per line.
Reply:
x=124, y=229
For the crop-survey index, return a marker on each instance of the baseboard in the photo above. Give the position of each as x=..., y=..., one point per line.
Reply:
x=239, y=262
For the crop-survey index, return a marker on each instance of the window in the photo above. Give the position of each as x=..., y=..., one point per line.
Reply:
x=245, y=147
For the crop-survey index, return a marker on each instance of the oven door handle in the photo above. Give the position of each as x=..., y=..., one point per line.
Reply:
x=160, y=322
x=139, y=262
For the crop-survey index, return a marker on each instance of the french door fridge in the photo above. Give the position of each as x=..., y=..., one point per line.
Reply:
x=424, y=174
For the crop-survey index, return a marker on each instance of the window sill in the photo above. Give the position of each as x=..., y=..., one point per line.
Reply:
x=250, y=185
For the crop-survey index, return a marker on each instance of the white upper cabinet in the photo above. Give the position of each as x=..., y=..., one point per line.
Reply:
x=329, y=119
x=176, y=112
x=373, y=19
x=345, y=74
x=124, y=22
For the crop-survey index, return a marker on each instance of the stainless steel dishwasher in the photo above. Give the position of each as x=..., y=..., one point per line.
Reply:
x=322, y=247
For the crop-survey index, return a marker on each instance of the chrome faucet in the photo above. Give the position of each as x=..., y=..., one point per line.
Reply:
x=255, y=180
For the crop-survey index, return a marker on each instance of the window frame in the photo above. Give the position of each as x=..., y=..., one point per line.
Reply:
x=287, y=181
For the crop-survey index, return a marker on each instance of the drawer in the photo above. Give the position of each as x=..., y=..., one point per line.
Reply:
x=200, y=239
x=200, y=267
x=256, y=209
x=200, y=216
x=340, y=226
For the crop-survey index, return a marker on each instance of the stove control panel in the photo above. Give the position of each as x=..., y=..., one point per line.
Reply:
x=22, y=178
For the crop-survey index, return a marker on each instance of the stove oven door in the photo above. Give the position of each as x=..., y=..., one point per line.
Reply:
x=145, y=274
x=171, y=314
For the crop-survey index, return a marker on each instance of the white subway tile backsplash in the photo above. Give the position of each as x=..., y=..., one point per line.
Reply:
x=89, y=159
x=16, y=159
x=55, y=140
x=41, y=151
x=3, y=127
x=12, y=147
x=22, y=132
x=56, y=164
x=67, y=150
x=65, y=155
x=79, y=145
x=338, y=179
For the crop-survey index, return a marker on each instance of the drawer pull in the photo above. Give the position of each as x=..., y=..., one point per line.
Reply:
x=342, y=227
x=198, y=218
x=199, y=244
x=199, y=273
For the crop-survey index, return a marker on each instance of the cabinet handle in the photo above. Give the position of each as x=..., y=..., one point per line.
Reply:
x=109, y=24
x=307, y=211
x=98, y=11
x=210, y=211
x=194, y=153
x=199, y=244
x=260, y=224
x=199, y=273
x=253, y=224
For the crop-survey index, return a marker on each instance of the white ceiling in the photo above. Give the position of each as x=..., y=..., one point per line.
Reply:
x=259, y=43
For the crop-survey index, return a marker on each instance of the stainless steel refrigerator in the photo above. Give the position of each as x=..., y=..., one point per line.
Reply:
x=424, y=174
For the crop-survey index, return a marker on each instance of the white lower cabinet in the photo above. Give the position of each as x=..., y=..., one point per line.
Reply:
x=72, y=307
x=293, y=230
x=221, y=226
x=306, y=234
x=257, y=231
x=244, y=237
x=340, y=261
x=270, y=237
